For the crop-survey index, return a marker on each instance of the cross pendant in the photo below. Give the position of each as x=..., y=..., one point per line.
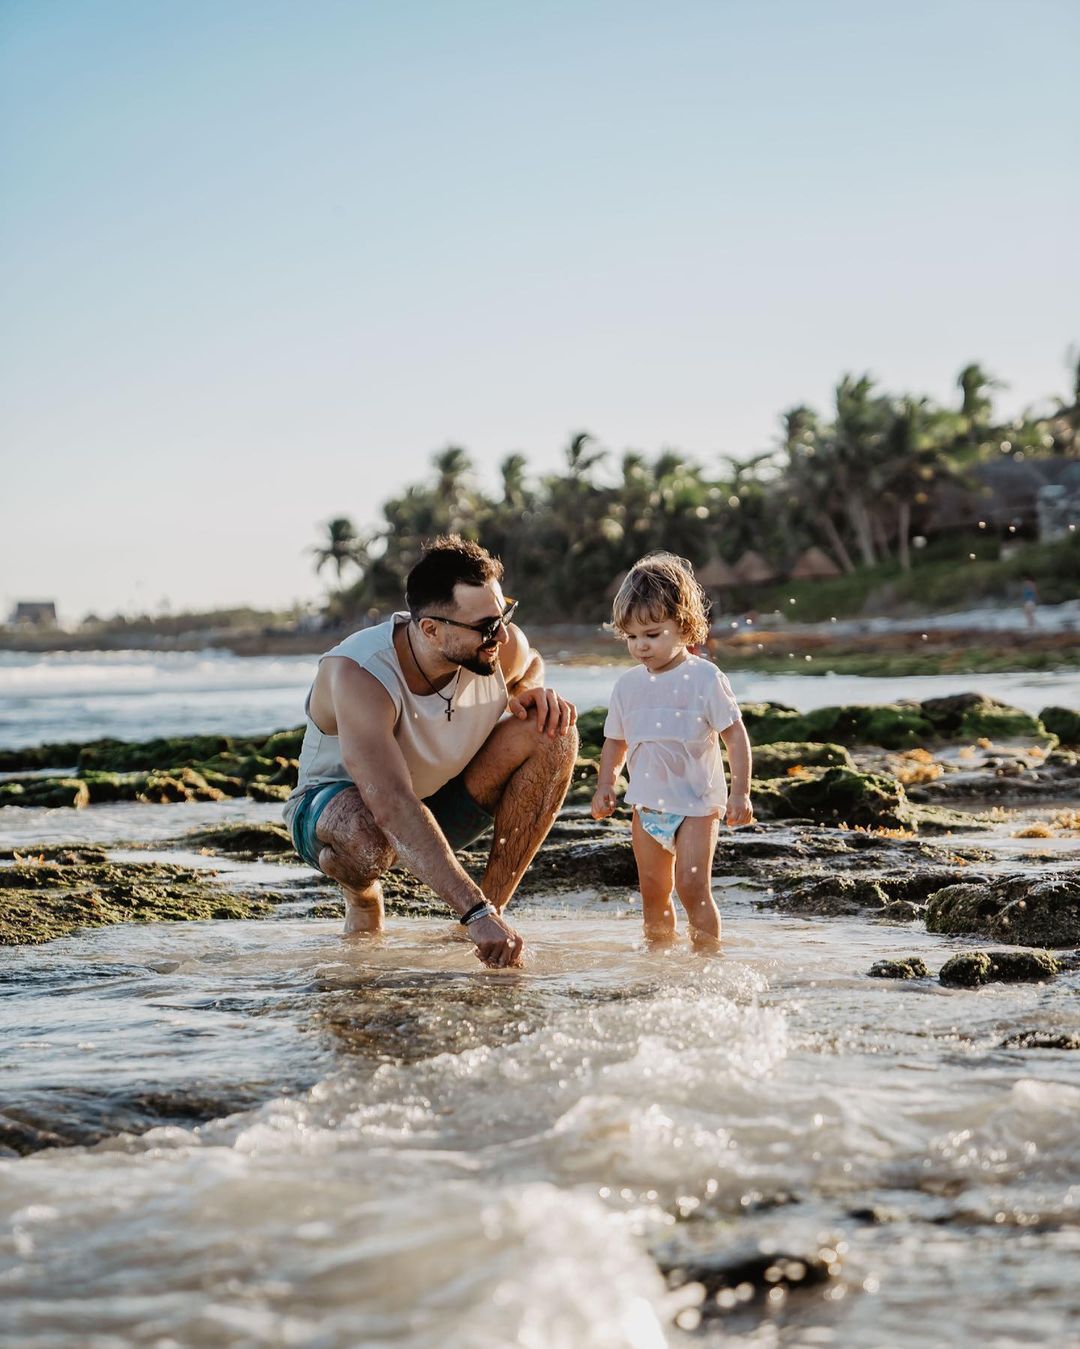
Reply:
x=449, y=712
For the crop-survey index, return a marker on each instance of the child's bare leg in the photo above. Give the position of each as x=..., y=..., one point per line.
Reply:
x=656, y=875
x=695, y=844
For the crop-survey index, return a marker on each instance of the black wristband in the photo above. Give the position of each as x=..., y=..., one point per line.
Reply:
x=466, y=918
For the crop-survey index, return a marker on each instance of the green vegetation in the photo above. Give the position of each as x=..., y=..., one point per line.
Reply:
x=192, y=768
x=883, y=663
x=61, y=890
x=910, y=967
x=970, y=969
x=891, y=487
x=1024, y=910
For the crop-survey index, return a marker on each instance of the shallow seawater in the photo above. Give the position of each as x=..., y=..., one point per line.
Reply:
x=444, y=1155
x=284, y=1138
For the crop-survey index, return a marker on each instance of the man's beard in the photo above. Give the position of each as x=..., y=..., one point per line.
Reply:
x=480, y=662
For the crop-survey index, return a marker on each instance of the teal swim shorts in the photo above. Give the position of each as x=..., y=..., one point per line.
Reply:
x=456, y=813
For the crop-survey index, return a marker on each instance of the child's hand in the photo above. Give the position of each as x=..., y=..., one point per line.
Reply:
x=739, y=811
x=603, y=803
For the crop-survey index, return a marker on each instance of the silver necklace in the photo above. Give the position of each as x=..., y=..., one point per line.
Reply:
x=457, y=678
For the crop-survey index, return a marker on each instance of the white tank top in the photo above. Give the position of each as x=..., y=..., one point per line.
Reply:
x=435, y=749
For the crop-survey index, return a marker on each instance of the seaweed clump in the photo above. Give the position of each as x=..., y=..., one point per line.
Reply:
x=59, y=890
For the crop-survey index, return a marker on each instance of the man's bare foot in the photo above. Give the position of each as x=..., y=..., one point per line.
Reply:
x=363, y=911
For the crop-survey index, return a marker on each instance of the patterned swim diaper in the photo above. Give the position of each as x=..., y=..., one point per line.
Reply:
x=661, y=825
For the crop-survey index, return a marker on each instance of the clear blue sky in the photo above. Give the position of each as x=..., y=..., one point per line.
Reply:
x=261, y=259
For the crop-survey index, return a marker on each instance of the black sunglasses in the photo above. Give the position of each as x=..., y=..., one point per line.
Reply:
x=487, y=630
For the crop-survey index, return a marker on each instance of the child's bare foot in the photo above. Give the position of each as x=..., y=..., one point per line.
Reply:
x=705, y=943
x=658, y=936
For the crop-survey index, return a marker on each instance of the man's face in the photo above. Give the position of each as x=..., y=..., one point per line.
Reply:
x=473, y=605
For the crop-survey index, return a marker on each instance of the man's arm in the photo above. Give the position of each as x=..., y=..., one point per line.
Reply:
x=365, y=717
x=523, y=670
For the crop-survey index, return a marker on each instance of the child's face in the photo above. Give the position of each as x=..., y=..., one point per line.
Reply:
x=657, y=644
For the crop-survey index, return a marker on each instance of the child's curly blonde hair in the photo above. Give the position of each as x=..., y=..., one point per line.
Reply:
x=662, y=586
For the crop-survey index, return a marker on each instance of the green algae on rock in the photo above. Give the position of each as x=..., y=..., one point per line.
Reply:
x=890, y=725
x=195, y=768
x=1062, y=722
x=909, y=967
x=838, y=796
x=59, y=890
x=774, y=760
x=1023, y=910
x=1037, y=1039
x=245, y=840
x=974, y=716
x=971, y=969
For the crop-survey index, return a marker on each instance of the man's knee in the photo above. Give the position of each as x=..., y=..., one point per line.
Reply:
x=558, y=748
x=357, y=872
x=354, y=850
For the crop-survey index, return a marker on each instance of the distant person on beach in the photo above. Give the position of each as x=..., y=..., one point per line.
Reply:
x=665, y=721
x=1029, y=594
x=407, y=755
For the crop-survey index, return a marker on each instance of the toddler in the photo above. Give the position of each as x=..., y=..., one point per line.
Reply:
x=664, y=721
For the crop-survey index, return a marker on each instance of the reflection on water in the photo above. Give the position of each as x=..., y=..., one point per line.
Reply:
x=484, y=1159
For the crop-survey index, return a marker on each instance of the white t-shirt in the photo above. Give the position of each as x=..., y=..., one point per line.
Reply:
x=670, y=723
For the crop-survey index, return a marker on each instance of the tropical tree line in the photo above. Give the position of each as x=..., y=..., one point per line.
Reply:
x=860, y=483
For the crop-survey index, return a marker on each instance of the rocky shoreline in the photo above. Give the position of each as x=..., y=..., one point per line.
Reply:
x=856, y=807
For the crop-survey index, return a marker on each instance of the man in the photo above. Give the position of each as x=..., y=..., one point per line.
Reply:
x=407, y=755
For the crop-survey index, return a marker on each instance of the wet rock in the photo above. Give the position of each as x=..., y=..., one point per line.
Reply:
x=1024, y=910
x=933, y=819
x=1035, y=1039
x=590, y=728
x=775, y=760
x=973, y=716
x=836, y=795
x=268, y=791
x=834, y=896
x=971, y=969
x=910, y=967
x=902, y=911
x=33, y=758
x=244, y=840
x=191, y=768
x=84, y=1116
x=890, y=725
x=1062, y=722
x=733, y=1279
x=50, y=793
x=606, y=862
x=161, y=755
x=52, y=895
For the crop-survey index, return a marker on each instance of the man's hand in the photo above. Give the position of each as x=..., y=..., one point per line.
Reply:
x=553, y=713
x=739, y=811
x=497, y=944
x=603, y=803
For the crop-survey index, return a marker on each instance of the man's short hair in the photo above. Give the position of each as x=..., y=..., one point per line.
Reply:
x=446, y=562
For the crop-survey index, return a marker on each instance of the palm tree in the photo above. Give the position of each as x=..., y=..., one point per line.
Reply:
x=578, y=456
x=976, y=405
x=1065, y=424
x=343, y=547
x=852, y=448
x=809, y=476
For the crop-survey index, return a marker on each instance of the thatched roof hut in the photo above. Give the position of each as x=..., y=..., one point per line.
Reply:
x=752, y=569
x=717, y=575
x=814, y=565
